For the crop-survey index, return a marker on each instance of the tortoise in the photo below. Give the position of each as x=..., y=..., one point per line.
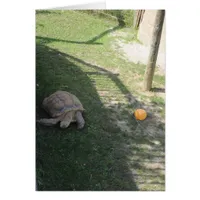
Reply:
x=63, y=107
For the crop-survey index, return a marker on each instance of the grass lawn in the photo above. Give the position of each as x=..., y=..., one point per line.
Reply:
x=113, y=152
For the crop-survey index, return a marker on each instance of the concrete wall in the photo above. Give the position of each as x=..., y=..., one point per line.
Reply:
x=146, y=30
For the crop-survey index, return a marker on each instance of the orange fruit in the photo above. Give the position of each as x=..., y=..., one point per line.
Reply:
x=140, y=114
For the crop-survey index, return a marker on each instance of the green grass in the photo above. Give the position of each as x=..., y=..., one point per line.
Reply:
x=129, y=34
x=113, y=151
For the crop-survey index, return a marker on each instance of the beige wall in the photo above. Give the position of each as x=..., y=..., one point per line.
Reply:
x=146, y=29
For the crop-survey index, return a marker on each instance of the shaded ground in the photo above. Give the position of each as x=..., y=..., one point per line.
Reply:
x=114, y=151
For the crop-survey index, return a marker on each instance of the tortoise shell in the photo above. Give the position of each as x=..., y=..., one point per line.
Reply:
x=61, y=102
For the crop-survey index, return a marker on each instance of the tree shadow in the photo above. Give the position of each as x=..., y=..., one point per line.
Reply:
x=46, y=12
x=115, y=14
x=45, y=40
x=103, y=34
x=103, y=156
x=41, y=25
x=159, y=90
x=111, y=75
x=120, y=18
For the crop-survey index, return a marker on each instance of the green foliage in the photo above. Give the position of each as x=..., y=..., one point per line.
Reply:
x=128, y=16
x=124, y=17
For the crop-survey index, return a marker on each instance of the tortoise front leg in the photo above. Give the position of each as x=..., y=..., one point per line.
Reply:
x=48, y=122
x=67, y=119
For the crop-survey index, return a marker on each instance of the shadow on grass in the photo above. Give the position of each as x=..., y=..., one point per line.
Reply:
x=159, y=90
x=46, y=12
x=101, y=157
x=45, y=40
x=103, y=34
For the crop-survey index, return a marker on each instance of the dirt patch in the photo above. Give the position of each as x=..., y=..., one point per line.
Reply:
x=137, y=53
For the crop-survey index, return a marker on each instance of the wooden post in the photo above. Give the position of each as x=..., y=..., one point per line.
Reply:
x=138, y=16
x=150, y=68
